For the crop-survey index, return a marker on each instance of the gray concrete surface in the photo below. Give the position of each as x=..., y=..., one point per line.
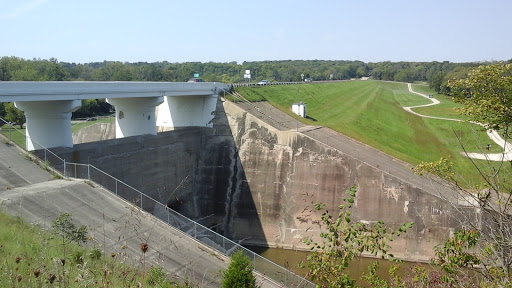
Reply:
x=115, y=225
x=349, y=146
x=16, y=170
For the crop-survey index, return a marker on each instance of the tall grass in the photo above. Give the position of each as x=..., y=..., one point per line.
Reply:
x=32, y=257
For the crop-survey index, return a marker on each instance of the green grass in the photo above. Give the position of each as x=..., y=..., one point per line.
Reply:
x=33, y=257
x=371, y=112
x=447, y=108
x=15, y=135
x=77, y=126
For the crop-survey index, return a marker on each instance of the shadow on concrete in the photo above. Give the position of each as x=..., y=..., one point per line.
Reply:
x=195, y=171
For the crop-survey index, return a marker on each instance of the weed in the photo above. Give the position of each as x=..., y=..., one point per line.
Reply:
x=95, y=254
x=31, y=257
x=45, y=165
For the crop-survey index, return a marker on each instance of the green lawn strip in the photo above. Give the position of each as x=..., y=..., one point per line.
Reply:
x=371, y=112
x=447, y=108
x=77, y=126
x=33, y=257
x=453, y=136
x=15, y=135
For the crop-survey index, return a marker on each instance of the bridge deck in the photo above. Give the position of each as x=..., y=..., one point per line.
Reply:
x=12, y=91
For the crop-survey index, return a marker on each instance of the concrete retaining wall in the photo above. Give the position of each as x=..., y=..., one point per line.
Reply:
x=258, y=185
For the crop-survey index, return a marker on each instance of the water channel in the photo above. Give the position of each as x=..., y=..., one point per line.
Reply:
x=290, y=259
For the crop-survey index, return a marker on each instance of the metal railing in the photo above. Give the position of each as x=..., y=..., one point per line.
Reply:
x=195, y=230
x=234, y=85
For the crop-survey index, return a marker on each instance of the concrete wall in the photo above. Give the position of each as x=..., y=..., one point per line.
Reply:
x=95, y=132
x=289, y=172
x=258, y=185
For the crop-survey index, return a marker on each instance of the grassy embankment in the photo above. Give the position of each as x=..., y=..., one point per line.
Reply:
x=371, y=112
x=33, y=257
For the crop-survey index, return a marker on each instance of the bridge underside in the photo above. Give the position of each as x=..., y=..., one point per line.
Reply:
x=140, y=106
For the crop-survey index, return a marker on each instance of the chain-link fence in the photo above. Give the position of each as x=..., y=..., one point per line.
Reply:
x=195, y=230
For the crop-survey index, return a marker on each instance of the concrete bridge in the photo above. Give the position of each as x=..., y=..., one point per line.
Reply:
x=140, y=106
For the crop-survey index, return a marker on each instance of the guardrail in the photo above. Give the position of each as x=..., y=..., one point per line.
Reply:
x=268, y=84
x=195, y=230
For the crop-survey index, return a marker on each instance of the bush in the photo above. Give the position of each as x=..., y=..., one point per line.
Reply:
x=239, y=272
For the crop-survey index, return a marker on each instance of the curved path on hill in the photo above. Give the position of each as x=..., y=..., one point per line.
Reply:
x=506, y=155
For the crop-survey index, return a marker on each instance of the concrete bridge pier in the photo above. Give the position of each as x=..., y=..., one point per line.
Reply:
x=135, y=116
x=48, y=122
x=187, y=111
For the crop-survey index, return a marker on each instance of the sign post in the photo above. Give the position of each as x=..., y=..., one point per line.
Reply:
x=247, y=75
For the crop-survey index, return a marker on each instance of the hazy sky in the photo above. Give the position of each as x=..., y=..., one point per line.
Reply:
x=225, y=31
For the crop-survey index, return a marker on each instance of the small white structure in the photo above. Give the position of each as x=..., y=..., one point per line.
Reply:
x=299, y=109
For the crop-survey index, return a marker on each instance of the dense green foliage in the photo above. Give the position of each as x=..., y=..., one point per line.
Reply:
x=18, y=69
x=342, y=240
x=487, y=96
x=92, y=107
x=239, y=272
x=14, y=115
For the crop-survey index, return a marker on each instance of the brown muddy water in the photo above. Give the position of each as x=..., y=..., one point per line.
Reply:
x=290, y=259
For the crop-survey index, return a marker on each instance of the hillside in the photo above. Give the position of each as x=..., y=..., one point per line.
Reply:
x=371, y=112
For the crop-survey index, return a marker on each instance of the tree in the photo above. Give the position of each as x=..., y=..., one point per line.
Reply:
x=2, y=111
x=14, y=115
x=487, y=95
x=404, y=75
x=239, y=272
x=437, y=80
x=343, y=240
x=64, y=226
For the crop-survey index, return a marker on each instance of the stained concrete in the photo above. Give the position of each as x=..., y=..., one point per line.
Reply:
x=116, y=226
x=256, y=174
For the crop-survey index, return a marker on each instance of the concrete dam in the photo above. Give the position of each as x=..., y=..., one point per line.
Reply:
x=256, y=181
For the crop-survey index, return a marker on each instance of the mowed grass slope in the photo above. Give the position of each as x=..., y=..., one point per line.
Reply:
x=447, y=108
x=371, y=112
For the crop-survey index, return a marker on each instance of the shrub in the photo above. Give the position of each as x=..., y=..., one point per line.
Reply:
x=239, y=272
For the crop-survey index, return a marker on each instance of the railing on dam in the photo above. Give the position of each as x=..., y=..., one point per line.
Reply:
x=146, y=203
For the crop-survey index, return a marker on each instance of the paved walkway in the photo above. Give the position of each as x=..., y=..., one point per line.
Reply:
x=506, y=155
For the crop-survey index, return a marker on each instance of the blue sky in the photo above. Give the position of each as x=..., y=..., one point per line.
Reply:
x=224, y=31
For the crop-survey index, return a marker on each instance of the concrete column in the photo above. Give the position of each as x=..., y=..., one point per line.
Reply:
x=135, y=116
x=187, y=111
x=48, y=122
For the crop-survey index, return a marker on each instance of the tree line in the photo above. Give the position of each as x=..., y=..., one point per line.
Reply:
x=436, y=74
